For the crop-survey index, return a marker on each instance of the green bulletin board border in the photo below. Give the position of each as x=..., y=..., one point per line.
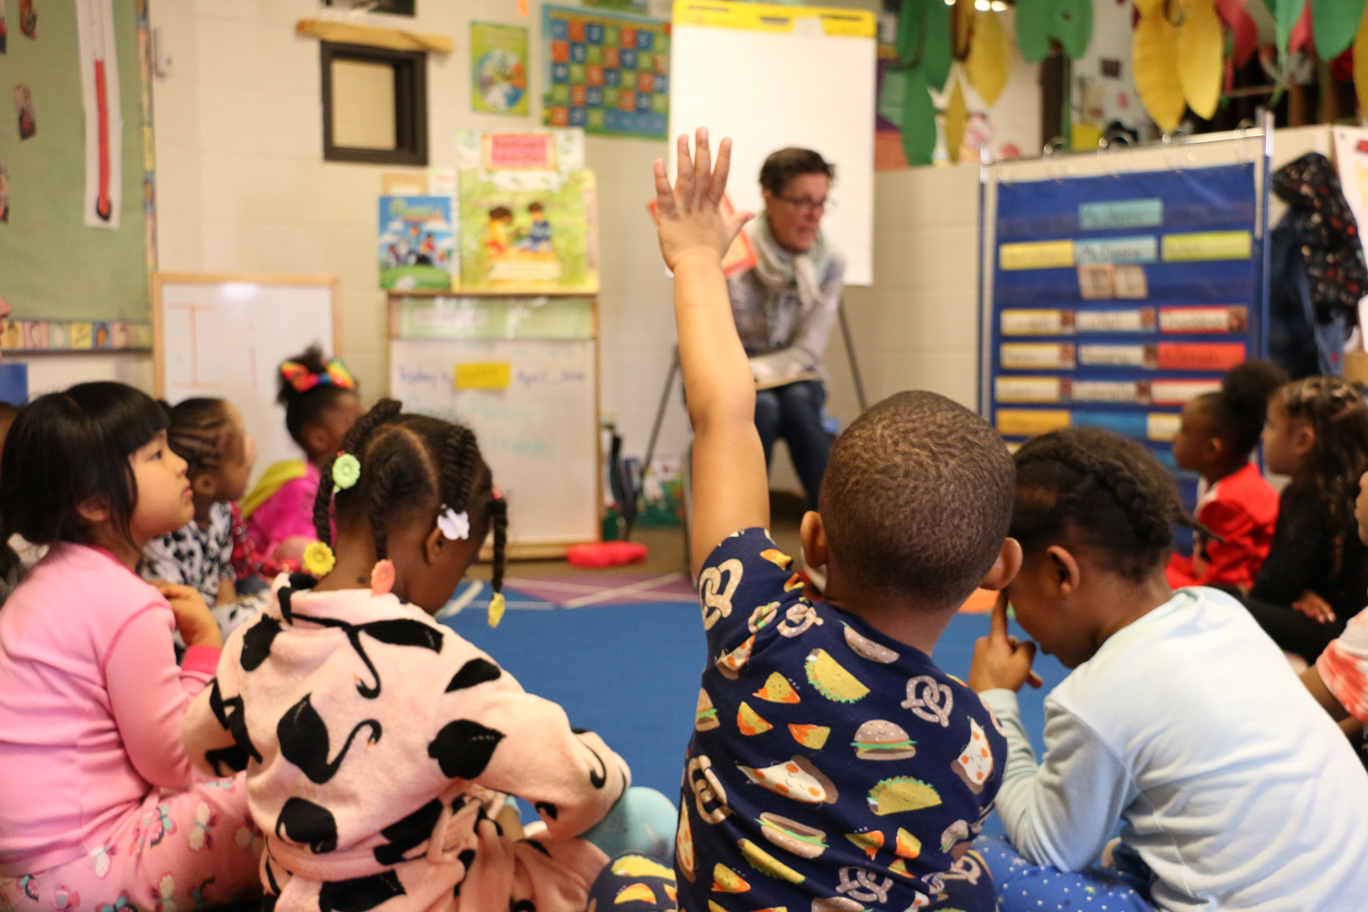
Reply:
x=71, y=272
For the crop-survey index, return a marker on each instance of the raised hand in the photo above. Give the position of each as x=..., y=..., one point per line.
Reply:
x=1000, y=659
x=688, y=217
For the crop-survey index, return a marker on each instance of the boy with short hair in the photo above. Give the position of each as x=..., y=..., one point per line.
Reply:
x=833, y=767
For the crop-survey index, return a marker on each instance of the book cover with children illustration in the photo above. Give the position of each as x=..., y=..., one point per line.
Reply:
x=528, y=238
x=417, y=247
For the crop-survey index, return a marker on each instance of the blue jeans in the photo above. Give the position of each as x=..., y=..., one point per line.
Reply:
x=794, y=412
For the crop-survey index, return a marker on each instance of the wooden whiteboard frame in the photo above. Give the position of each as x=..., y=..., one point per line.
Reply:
x=160, y=279
x=542, y=550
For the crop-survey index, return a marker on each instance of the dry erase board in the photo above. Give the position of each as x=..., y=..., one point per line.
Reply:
x=224, y=336
x=777, y=76
x=533, y=405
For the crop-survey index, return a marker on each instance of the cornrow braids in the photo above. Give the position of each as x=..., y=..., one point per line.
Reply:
x=413, y=462
x=1101, y=487
x=1337, y=414
x=201, y=433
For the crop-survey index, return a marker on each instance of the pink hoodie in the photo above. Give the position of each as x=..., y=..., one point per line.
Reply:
x=91, y=701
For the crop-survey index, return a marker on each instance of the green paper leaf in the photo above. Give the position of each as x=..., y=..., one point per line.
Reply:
x=1333, y=25
x=1033, y=27
x=924, y=38
x=1285, y=16
x=1072, y=25
x=918, y=121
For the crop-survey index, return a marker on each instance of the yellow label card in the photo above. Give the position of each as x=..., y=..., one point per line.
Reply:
x=1036, y=255
x=1207, y=245
x=81, y=335
x=1027, y=389
x=11, y=335
x=1030, y=422
x=484, y=375
x=1162, y=426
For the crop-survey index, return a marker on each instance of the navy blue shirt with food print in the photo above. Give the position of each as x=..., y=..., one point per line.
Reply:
x=831, y=769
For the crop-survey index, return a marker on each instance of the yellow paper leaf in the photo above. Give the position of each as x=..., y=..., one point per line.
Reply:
x=1156, y=78
x=1149, y=7
x=1201, y=47
x=964, y=24
x=1361, y=57
x=956, y=120
x=989, y=54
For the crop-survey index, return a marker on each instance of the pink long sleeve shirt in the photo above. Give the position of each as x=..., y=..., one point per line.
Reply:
x=91, y=701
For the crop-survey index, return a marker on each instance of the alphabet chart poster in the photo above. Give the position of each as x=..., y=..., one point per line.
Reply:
x=605, y=72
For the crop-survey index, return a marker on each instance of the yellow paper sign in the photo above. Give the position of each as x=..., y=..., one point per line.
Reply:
x=483, y=375
x=1029, y=422
x=1037, y=255
x=81, y=335
x=1207, y=245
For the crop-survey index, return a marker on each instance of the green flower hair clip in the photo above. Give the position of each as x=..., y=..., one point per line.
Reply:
x=346, y=471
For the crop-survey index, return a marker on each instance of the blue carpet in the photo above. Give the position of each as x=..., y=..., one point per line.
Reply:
x=630, y=673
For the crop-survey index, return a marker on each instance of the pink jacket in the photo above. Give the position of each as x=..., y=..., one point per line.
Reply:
x=91, y=701
x=286, y=513
x=378, y=744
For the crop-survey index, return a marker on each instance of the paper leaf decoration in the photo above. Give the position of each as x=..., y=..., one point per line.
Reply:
x=965, y=17
x=1300, y=39
x=1333, y=23
x=918, y=122
x=1033, y=28
x=891, y=95
x=990, y=53
x=1201, y=47
x=1149, y=7
x=956, y=120
x=1243, y=32
x=924, y=40
x=1073, y=24
x=1156, y=78
x=1285, y=16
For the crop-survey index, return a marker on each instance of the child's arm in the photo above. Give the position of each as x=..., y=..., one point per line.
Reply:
x=730, y=481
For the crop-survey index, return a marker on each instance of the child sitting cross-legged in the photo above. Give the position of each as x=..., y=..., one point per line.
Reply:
x=379, y=745
x=1181, y=720
x=833, y=766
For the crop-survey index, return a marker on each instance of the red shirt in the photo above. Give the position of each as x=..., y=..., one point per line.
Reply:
x=1242, y=508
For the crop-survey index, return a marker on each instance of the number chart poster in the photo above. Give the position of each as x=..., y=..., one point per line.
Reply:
x=1117, y=299
x=606, y=72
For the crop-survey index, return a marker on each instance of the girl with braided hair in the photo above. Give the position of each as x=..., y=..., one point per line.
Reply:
x=219, y=454
x=1316, y=573
x=380, y=747
x=1181, y=720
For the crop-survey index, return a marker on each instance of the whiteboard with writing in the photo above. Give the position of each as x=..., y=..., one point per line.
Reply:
x=532, y=404
x=224, y=337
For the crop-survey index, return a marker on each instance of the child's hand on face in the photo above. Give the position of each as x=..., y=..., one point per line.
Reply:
x=1000, y=659
x=688, y=218
x=196, y=625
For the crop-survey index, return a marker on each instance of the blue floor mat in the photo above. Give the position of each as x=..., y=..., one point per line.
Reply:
x=631, y=672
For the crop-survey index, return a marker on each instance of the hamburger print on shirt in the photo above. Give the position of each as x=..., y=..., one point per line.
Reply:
x=831, y=768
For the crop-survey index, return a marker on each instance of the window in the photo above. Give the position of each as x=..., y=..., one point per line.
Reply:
x=374, y=105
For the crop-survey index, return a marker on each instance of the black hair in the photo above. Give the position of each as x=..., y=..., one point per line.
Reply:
x=1241, y=407
x=201, y=432
x=535, y=207
x=786, y=164
x=308, y=407
x=412, y=462
x=67, y=447
x=917, y=497
x=1105, y=490
x=500, y=212
x=1336, y=412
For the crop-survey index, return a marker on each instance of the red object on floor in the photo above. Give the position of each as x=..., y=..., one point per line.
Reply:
x=606, y=554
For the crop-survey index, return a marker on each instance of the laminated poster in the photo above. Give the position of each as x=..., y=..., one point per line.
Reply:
x=416, y=246
x=498, y=81
x=605, y=72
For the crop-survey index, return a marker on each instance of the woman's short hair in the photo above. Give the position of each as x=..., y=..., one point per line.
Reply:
x=786, y=164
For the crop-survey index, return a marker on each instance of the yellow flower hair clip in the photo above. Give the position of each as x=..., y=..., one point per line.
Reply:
x=319, y=559
x=346, y=471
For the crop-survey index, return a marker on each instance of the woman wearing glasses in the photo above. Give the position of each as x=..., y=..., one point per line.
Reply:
x=784, y=307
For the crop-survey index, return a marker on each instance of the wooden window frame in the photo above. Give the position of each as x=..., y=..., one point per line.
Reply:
x=410, y=105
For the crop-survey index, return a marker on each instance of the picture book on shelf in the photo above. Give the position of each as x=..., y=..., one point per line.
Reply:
x=417, y=247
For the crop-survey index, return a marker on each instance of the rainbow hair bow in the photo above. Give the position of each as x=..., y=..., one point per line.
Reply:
x=302, y=379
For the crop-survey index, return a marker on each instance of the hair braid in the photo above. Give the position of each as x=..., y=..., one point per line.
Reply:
x=383, y=412
x=498, y=518
x=381, y=489
x=322, y=511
